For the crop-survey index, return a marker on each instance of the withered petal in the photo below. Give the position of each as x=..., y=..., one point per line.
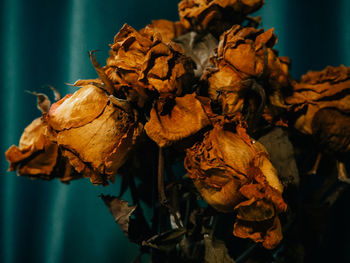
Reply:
x=77, y=110
x=186, y=118
x=95, y=140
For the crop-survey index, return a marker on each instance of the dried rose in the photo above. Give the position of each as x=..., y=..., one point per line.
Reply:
x=215, y=16
x=316, y=91
x=167, y=29
x=246, y=63
x=187, y=117
x=141, y=63
x=93, y=133
x=38, y=157
x=232, y=172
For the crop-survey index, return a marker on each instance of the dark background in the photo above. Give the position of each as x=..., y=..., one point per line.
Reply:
x=46, y=42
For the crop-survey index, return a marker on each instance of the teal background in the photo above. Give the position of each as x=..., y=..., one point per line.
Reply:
x=46, y=42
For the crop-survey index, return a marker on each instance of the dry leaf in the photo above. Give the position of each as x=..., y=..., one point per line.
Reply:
x=199, y=48
x=216, y=251
x=120, y=210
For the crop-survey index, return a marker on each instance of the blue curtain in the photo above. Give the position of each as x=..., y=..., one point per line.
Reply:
x=46, y=42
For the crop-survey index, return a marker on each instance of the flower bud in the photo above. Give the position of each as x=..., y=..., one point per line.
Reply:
x=94, y=134
x=140, y=63
x=233, y=173
x=215, y=16
x=318, y=90
x=38, y=157
x=246, y=63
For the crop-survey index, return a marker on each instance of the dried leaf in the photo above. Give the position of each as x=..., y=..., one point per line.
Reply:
x=120, y=210
x=56, y=93
x=282, y=155
x=199, y=48
x=43, y=102
x=166, y=241
x=216, y=251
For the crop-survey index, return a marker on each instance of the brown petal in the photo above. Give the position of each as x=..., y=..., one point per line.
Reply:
x=186, y=118
x=94, y=141
x=269, y=233
x=77, y=110
x=35, y=154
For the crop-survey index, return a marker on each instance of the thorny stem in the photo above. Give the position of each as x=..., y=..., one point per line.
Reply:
x=161, y=192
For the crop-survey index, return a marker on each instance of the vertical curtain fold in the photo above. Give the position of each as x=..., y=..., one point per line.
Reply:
x=46, y=42
x=10, y=65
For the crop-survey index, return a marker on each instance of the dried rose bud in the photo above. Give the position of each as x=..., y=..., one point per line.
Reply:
x=94, y=134
x=245, y=62
x=316, y=91
x=167, y=29
x=187, y=117
x=140, y=62
x=232, y=172
x=38, y=157
x=215, y=16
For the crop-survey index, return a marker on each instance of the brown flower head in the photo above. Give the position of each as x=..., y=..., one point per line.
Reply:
x=246, y=63
x=140, y=63
x=320, y=90
x=94, y=133
x=167, y=29
x=215, y=16
x=38, y=157
x=233, y=173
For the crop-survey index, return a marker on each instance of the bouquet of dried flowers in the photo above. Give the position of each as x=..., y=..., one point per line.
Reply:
x=208, y=93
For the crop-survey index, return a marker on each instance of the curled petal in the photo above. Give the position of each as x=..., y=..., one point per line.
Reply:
x=186, y=118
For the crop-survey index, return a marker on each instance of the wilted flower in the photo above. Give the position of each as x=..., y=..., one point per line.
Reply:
x=215, y=16
x=140, y=63
x=326, y=89
x=167, y=29
x=93, y=133
x=38, y=157
x=233, y=173
x=246, y=63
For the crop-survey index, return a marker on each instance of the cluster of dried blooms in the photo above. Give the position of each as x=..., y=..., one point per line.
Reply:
x=207, y=91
